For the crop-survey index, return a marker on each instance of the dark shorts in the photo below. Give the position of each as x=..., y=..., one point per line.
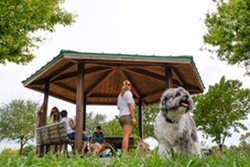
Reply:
x=72, y=136
x=125, y=120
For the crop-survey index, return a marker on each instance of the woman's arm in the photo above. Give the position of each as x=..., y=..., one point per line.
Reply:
x=131, y=110
x=71, y=123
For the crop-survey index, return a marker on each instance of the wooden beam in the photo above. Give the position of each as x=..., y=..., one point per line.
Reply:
x=60, y=70
x=84, y=113
x=66, y=87
x=99, y=82
x=87, y=72
x=42, y=121
x=179, y=79
x=146, y=73
x=79, y=107
x=45, y=101
x=140, y=118
x=169, y=79
x=127, y=77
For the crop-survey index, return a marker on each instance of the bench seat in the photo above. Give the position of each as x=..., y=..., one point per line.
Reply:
x=55, y=134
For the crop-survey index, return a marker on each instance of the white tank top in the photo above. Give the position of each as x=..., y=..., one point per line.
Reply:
x=69, y=129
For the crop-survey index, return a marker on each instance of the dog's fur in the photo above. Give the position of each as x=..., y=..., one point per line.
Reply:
x=174, y=127
x=142, y=147
x=95, y=149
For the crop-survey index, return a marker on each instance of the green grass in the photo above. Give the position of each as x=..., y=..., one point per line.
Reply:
x=228, y=159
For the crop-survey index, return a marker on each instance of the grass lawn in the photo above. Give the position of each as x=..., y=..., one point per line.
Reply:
x=227, y=159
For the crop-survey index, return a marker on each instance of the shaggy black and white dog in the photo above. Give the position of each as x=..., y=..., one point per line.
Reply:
x=174, y=127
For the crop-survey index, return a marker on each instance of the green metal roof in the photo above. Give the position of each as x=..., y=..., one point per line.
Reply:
x=145, y=71
x=111, y=55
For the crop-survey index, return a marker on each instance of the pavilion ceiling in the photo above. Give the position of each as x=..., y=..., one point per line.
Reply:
x=104, y=74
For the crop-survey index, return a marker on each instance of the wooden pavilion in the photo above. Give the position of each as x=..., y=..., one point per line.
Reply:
x=96, y=78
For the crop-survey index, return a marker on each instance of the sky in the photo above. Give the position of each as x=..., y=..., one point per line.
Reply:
x=147, y=27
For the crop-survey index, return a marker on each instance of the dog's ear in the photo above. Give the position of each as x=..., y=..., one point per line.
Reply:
x=163, y=102
x=164, y=99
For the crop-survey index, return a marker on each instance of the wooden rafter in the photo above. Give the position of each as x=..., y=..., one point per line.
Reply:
x=99, y=82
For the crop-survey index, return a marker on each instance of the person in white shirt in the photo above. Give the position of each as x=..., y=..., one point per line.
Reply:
x=126, y=105
x=70, y=126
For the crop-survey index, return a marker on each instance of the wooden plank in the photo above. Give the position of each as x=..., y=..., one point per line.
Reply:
x=53, y=134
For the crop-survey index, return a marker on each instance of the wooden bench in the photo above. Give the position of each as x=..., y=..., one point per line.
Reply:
x=55, y=134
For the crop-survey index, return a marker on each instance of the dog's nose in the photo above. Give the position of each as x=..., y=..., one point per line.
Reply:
x=186, y=96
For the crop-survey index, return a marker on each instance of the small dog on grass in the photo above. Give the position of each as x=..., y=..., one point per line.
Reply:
x=142, y=147
x=95, y=149
x=174, y=127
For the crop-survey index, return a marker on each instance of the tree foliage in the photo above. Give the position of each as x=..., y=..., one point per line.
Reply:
x=149, y=114
x=228, y=31
x=19, y=20
x=245, y=137
x=93, y=121
x=220, y=110
x=8, y=152
x=113, y=128
x=17, y=120
x=244, y=146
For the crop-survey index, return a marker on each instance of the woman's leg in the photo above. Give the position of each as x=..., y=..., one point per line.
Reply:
x=85, y=140
x=126, y=134
x=84, y=145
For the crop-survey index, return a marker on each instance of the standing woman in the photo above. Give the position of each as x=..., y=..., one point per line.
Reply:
x=126, y=105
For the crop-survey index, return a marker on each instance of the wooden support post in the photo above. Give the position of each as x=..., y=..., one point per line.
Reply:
x=42, y=121
x=169, y=79
x=84, y=113
x=140, y=119
x=79, y=107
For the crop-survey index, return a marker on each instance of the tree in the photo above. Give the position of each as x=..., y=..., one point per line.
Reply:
x=9, y=153
x=228, y=31
x=93, y=121
x=27, y=150
x=245, y=137
x=220, y=110
x=149, y=114
x=17, y=120
x=244, y=145
x=109, y=128
x=19, y=20
x=113, y=128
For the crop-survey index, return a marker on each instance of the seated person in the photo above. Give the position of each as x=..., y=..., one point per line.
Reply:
x=70, y=126
x=55, y=115
x=98, y=138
